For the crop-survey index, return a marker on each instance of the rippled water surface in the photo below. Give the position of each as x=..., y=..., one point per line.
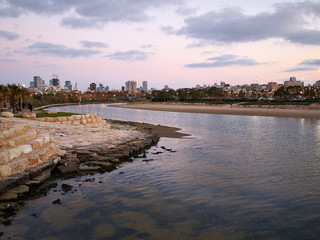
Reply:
x=237, y=177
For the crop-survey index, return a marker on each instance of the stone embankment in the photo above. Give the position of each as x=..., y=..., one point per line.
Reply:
x=30, y=150
x=89, y=120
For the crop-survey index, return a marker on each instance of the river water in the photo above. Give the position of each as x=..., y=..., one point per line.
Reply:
x=235, y=177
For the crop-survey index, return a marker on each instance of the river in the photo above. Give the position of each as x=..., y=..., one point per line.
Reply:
x=235, y=177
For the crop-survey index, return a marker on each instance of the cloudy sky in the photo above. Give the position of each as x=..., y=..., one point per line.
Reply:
x=180, y=43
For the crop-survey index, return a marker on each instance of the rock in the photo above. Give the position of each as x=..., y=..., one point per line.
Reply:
x=43, y=176
x=19, y=190
x=8, y=196
x=29, y=115
x=5, y=171
x=68, y=168
x=115, y=160
x=58, y=201
x=66, y=187
x=7, y=114
x=90, y=180
x=32, y=182
x=86, y=168
x=99, y=163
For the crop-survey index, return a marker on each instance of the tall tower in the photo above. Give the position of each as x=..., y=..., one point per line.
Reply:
x=37, y=82
x=145, y=86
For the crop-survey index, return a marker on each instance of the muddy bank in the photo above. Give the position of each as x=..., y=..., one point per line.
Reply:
x=159, y=130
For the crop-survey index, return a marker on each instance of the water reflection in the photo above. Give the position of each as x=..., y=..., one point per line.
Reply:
x=241, y=177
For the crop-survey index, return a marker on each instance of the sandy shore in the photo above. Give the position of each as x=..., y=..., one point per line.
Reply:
x=281, y=111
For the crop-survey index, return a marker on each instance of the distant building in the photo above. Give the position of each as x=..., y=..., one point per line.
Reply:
x=255, y=86
x=131, y=86
x=32, y=84
x=293, y=83
x=273, y=86
x=106, y=88
x=317, y=84
x=222, y=84
x=123, y=88
x=93, y=87
x=100, y=88
x=166, y=87
x=37, y=82
x=67, y=85
x=55, y=82
x=145, y=86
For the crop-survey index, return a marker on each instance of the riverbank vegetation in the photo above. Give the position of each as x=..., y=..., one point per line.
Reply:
x=55, y=114
x=15, y=98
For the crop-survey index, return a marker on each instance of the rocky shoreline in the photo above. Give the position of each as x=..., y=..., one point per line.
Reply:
x=78, y=161
x=83, y=159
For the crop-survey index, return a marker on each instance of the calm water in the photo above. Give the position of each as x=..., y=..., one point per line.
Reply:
x=237, y=177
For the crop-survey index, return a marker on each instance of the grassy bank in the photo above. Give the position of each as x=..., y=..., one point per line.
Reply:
x=46, y=114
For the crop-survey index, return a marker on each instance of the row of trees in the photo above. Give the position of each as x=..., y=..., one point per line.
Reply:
x=12, y=95
x=218, y=94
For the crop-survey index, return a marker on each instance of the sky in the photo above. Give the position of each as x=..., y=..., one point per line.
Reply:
x=179, y=43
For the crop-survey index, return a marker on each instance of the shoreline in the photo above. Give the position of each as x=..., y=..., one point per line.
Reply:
x=107, y=149
x=274, y=111
x=159, y=130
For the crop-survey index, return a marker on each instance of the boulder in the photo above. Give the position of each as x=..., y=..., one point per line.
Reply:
x=7, y=114
x=29, y=115
x=5, y=171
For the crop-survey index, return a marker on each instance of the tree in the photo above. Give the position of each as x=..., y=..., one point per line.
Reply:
x=280, y=92
x=16, y=92
x=242, y=94
x=182, y=94
x=4, y=94
x=195, y=94
x=309, y=92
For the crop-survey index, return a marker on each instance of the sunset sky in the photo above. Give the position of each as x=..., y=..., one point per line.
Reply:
x=165, y=42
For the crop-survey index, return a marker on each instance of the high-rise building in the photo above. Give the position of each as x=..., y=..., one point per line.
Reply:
x=145, y=86
x=55, y=82
x=93, y=87
x=67, y=85
x=100, y=88
x=131, y=86
x=37, y=82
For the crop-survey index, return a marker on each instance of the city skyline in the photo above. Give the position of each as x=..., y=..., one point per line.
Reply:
x=180, y=43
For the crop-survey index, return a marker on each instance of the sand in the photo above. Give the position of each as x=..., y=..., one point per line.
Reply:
x=273, y=111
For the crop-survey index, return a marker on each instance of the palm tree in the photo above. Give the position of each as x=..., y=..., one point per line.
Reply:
x=22, y=92
x=16, y=94
x=4, y=93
